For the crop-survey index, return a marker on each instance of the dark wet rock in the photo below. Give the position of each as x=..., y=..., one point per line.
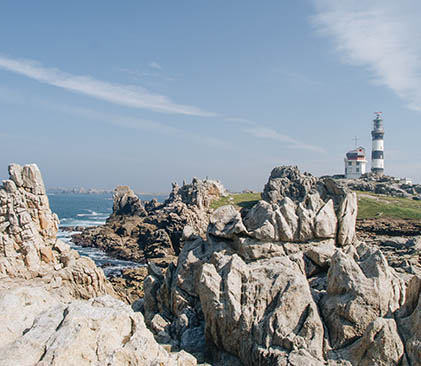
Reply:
x=152, y=231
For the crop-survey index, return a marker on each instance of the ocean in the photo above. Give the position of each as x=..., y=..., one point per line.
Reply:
x=88, y=210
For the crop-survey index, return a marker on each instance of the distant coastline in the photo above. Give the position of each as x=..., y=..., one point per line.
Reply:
x=77, y=191
x=82, y=190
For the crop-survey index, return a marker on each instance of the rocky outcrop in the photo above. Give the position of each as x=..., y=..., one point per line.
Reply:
x=126, y=202
x=300, y=208
x=387, y=185
x=28, y=244
x=50, y=312
x=152, y=231
x=287, y=283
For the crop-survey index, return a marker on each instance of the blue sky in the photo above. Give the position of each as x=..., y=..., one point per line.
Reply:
x=144, y=93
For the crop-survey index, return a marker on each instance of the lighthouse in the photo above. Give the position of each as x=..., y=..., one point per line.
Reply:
x=377, y=151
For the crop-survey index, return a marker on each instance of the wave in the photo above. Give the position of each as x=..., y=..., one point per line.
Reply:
x=111, y=266
x=92, y=213
x=76, y=222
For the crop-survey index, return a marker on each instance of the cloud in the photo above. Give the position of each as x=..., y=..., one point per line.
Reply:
x=126, y=95
x=287, y=141
x=12, y=96
x=380, y=35
x=155, y=65
x=258, y=130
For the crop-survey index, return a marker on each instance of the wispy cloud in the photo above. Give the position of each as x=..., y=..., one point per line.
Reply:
x=126, y=95
x=263, y=132
x=119, y=120
x=155, y=65
x=380, y=35
x=286, y=141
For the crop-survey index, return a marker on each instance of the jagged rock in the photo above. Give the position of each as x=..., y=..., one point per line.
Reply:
x=287, y=181
x=386, y=185
x=151, y=231
x=293, y=287
x=301, y=208
x=42, y=323
x=199, y=193
x=264, y=306
x=358, y=293
x=28, y=242
x=126, y=202
x=409, y=321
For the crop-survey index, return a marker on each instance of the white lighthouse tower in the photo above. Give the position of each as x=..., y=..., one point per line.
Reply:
x=377, y=151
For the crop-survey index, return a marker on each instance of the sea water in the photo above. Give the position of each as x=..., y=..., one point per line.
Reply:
x=87, y=210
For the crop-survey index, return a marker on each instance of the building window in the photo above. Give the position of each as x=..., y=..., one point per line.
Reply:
x=349, y=163
x=358, y=163
x=358, y=170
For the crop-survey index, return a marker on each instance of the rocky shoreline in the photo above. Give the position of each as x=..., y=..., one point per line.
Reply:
x=151, y=231
x=57, y=308
x=295, y=280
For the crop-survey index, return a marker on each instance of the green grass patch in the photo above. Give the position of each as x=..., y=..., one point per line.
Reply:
x=242, y=200
x=372, y=205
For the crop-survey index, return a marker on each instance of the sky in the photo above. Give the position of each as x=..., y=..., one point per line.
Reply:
x=145, y=93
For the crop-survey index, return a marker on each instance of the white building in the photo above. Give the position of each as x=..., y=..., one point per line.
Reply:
x=355, y=163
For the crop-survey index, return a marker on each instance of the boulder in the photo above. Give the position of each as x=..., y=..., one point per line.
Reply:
x=359, y=292
x=101, y=331
x=300, y=208
x=226, y=223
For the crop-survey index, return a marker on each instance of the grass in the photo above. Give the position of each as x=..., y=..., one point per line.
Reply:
x=242, y=200
x=373, y=205
x=370, y=205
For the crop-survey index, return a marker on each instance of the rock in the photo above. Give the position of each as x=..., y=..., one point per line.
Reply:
x=287, y=181
x=386, y=185
x=409, y=321
x=302, y=208
x=226, y=223
x=347, y=219
x=15, y=172
x=321, y=254
x=261, y=222
x=47, y=255
x=268, y=295
x=31, y=179
x=150, y=231
x=30, y=248
x=380, y=345
x=102, y=331
x=199, y=193
x=126, y=202
x=326, y=221
x=357, y=294
x=289, y=284
x=19, y=308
